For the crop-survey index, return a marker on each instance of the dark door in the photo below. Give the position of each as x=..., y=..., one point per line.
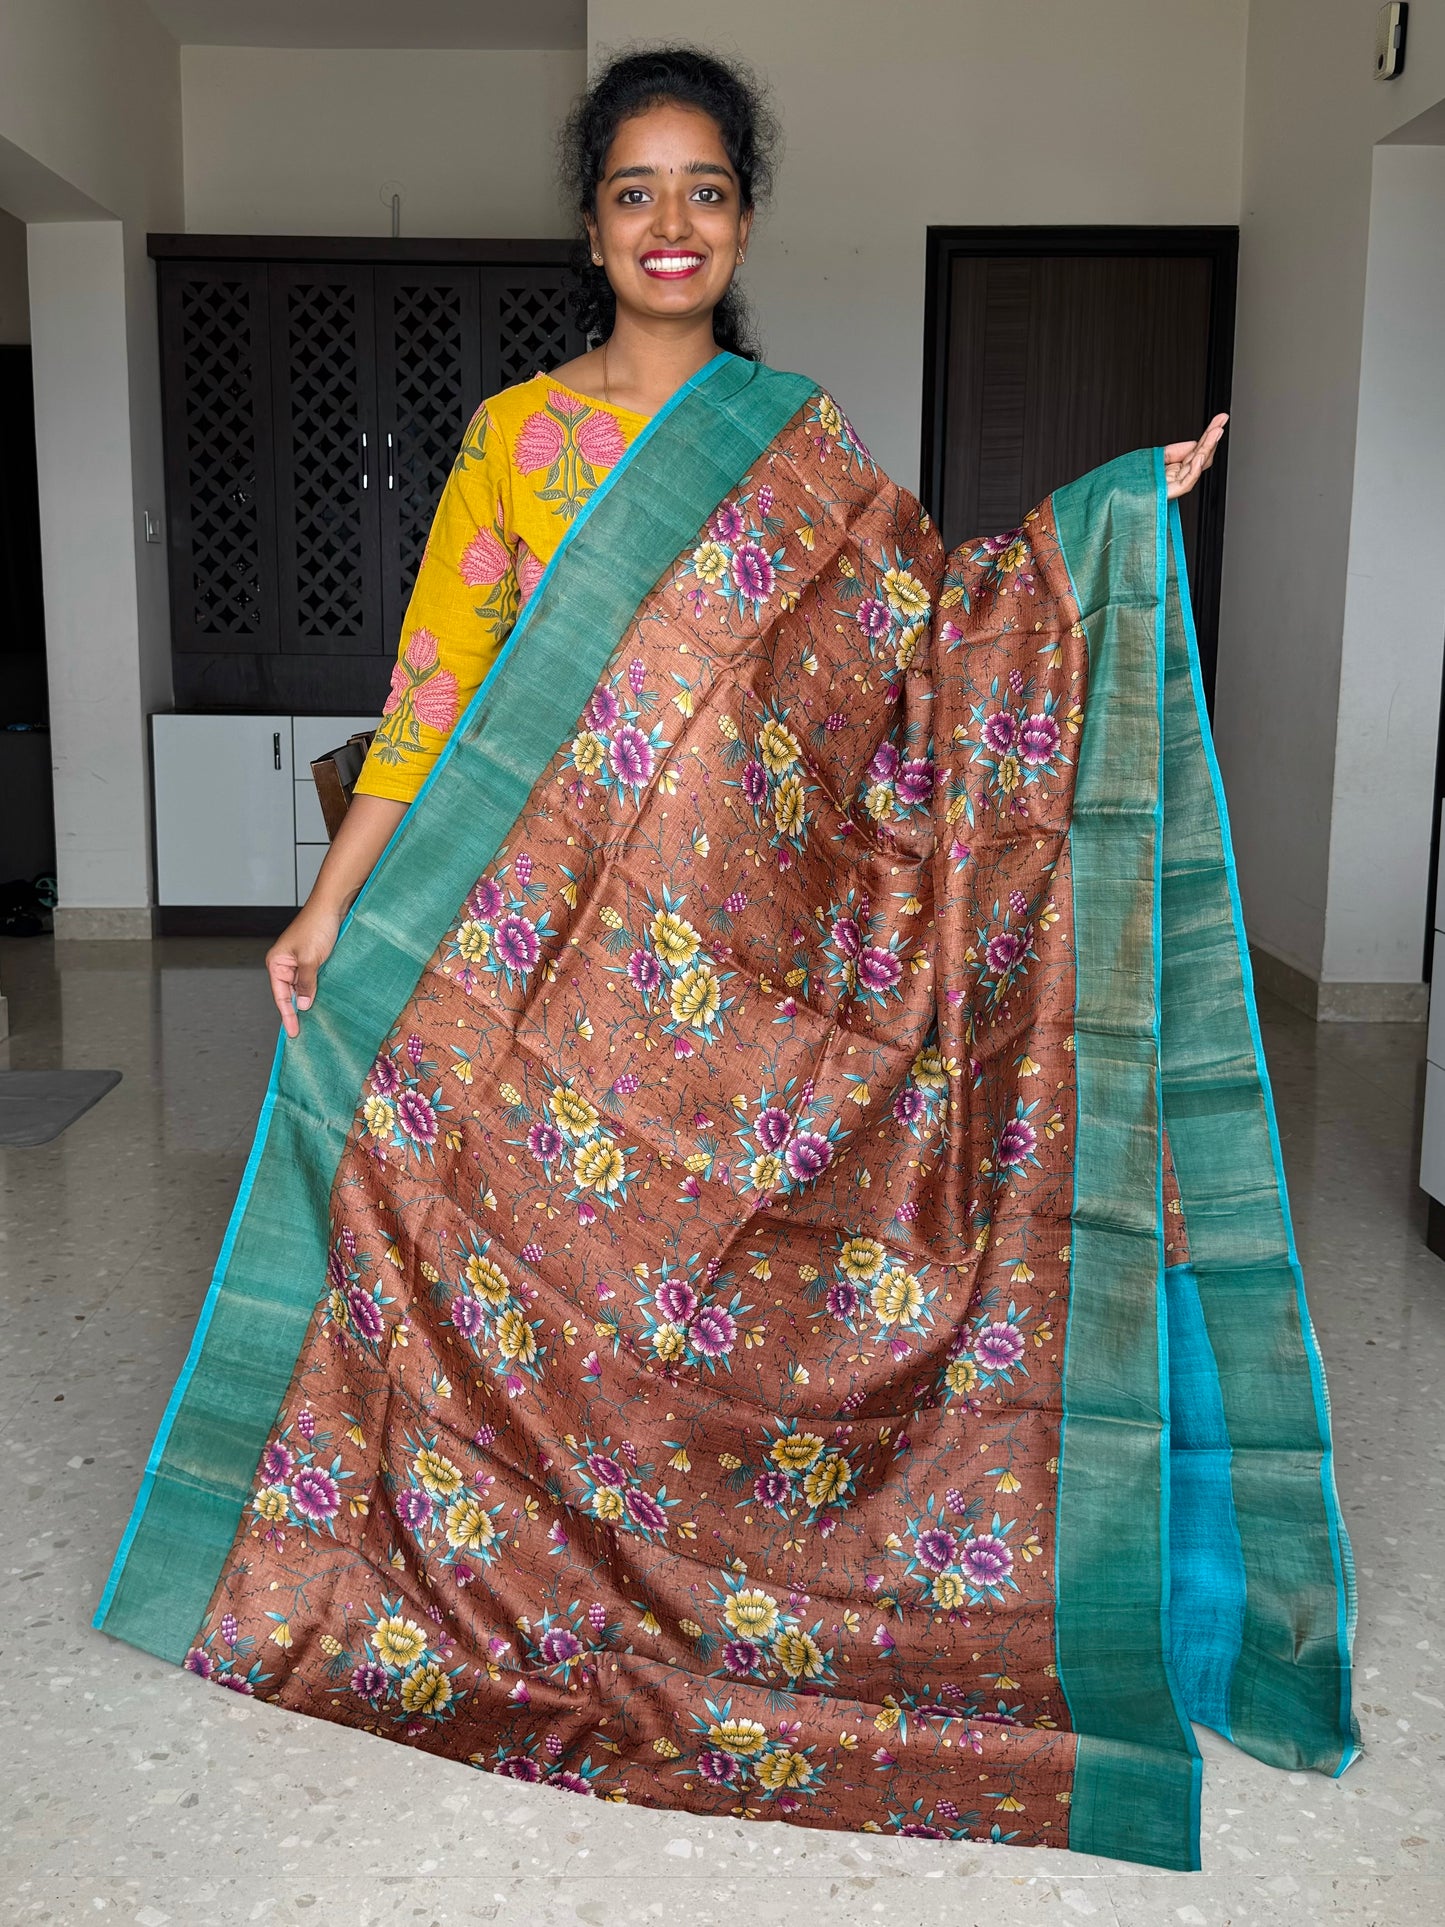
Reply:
x=329, y=469
x=1053, y=351
x=526, y=328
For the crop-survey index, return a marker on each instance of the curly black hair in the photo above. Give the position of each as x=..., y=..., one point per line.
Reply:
x=628, y=85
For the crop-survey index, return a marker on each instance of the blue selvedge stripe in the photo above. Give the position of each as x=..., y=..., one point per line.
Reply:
x=1340, y=1555
x=268, y=1105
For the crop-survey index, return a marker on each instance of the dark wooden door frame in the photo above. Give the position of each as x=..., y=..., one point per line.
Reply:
x=1220, y=245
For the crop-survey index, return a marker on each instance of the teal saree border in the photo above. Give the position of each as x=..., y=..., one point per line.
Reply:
x=1137, y=1771
x=271, y=1266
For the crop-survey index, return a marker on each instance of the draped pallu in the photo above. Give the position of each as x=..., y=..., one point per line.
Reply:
x=765, y=1284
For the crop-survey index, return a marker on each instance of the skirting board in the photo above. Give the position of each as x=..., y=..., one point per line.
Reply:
x=1338, y=1003
x=87, y=924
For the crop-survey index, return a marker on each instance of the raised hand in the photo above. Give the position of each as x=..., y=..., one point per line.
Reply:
x=1185, y=462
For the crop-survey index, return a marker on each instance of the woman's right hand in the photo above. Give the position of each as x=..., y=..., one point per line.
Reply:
x=294, y=959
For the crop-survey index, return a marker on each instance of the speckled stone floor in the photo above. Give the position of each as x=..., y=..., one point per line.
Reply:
x=131, y=1792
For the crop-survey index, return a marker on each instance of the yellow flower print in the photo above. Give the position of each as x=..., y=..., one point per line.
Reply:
x=270, y=1504
x=897, y=1297
x=788, y=804
x=928, y=1071
x=469, y=1526
x=908, y=646
x=515, y=1337
x=473, y=941
x=947, y=1590
x=336, y=1305
x=598, y=1167
x=785, y=1769
x=587, y=752
x=906, y=594
x=379, y=1116
x=828, y=1480
x=426, y=1689
x=878, y=801
x=695, y=997
x=575, y=1115
x=796, y=1451
x=765, y=1173
x=709, y=563
x=752, y=1613
x=437, y=1473
x=674, y=939
x=669, y=1342
x=398, y=1642
x=830, y=418
x=487, y=1280
x=961, y=1375
x=798, y=1655
x=745, y=1738
x=1008, y=774
x=860, y=1258
x=607, y=1504
x=777, y=746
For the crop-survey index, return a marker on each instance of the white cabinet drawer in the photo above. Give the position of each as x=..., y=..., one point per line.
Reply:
x=310, y=823
x=225, y=810
x=309, y=858
x=1432, y=1141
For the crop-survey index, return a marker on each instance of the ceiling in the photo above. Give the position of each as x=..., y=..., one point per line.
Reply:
x=374, y=23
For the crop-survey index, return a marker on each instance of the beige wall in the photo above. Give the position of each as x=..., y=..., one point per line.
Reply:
x=950, y=112
x=1313, y=110
x=297, y=141
x=14, y=285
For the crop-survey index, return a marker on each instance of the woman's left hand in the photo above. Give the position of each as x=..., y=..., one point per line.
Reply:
x=1185, y=462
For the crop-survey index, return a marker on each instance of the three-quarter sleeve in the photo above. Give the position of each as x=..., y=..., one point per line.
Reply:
x=461, y=612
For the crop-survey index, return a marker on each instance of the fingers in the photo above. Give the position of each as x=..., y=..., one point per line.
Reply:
x=305, y=985
x=282, y=972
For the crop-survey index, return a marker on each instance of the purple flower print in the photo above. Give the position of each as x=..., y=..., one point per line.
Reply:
x=843, y=1299
x=644, y=970
x=384, y=1076
x=808, y=1156
x=605, y=1471
x=741, y=1656
x=413, y=1507
x=1039, y=740
x=485, y=901
x=715, y=1765
x=631, y=756
x=999, y=731
x=335, y=1270
x=544, y=1141
x=199, y=1662
x=998, y=1347
x=416, y=1117
x=519, y=1767
x=713, y=1332
x=1003, y=951
x=467, y=1316
x=368, y=1681
x=847, y=939
x=1016, y=1142
x=644, y=1510
x=516, y=943
x=985, y=1560
x=937, y=1549
x=773, y=1126
x=676, y=1300
x=878, y=969
x=909, y=1105
x=753, y=571
x=755, y=783
x=604, y=708
x=873, y=617
x=771, y=1488
x=235, y=1683
x=569, y=1782
x=915, y=781
x=884, y=763
x=727, y=523
x=559, y=1645
x=276, y=1463
x=315, y=1494
x=365, y=1318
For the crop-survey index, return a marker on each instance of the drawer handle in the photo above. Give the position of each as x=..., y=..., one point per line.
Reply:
x=276, y=747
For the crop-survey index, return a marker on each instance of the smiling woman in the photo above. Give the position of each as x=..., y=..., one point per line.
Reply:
x=764, y=1284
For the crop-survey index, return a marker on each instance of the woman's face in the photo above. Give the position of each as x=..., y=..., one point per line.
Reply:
x=669, y=224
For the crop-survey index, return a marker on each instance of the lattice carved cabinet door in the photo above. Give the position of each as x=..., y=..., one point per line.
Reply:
x=526, y=329
x=330, y=471
x=429, y=384
x=220, y=487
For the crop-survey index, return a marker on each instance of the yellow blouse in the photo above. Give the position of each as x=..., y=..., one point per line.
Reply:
x=528, y=463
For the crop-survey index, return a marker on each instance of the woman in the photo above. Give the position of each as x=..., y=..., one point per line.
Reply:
x=764, y=1283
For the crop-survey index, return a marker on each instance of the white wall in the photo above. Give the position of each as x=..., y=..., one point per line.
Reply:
x=90, y=133
x=1312, y=113
x=14, y=285
x=296, y=141
x=953, y=112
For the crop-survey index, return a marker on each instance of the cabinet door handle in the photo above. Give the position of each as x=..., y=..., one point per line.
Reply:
x=365, y=468
x=390, y=464
x=276, y=747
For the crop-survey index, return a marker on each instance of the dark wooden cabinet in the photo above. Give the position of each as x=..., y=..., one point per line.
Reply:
x=314, y=396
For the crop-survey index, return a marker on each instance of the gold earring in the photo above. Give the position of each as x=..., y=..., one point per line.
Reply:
x=597, y=260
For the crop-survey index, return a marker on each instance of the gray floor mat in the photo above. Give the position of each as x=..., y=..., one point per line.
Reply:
x=36, y=1106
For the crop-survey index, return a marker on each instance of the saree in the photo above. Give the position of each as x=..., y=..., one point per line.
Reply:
x=765, y=1284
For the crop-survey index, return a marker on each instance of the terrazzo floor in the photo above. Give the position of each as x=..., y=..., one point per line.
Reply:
x=132, y=1792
